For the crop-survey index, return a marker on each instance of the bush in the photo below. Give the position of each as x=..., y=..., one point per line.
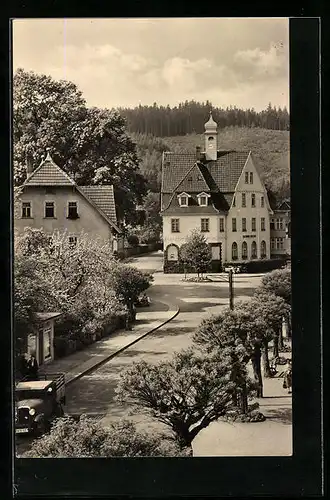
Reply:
x=253, y=415
x=85, y=437
x=258, y=266
x=133, y=240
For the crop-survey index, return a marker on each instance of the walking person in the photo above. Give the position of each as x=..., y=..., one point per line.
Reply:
x=287, y=382
x=32, y=367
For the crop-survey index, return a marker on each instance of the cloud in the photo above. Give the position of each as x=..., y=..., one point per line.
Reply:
x=232, y=65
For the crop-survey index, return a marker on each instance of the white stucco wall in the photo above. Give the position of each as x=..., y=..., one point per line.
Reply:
x=239, y=212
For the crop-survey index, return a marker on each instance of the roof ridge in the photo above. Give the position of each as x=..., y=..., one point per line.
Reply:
x=50, y=160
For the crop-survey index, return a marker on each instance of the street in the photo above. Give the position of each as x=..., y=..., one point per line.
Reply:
x=94, y=393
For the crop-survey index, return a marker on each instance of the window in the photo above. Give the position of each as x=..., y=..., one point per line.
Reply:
x=49, y=209
x=272, y=243
x=47, y=343
x=263, y=227
x=246, y=177
x=244, y=224
x=253, y=224
x=262, y=201
x=263, y=249
x=233, y=224
x=279, y=243
x=243, y=200
x=175, y=228
x=172, y=253
x=203, y=201
x=205, y=225
x=183, y=201
x=253, y=250
x=251, y=177
x=253, y=200
x=279, y=224
x=222, y=225
x=234, y=201
x=272, y=224
x=234, y=251
x=26, y=210
x=72, y=210
x=244, y=250
x=73, y=241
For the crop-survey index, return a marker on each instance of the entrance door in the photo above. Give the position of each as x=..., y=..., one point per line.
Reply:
x=216, y=256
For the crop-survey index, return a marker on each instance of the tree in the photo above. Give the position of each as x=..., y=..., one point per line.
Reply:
x=32, y=294
x=226, y=336
x=128, y=283
x=278, y=282
x=271, y=309
x=90, y=144
x=86, y=438
x=186, y=393
x=196, y=252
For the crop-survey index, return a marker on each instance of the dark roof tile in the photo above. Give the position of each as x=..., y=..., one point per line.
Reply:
x=104, y=199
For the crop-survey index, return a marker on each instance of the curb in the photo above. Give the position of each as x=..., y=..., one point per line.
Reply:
x=112, y=355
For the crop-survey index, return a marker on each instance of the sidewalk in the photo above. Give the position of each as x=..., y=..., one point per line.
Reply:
x=82, y=362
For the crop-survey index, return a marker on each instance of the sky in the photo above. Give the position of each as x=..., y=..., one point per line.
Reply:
x=127, y=62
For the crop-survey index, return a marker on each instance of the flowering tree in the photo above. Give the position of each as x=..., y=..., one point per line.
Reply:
x=186, y=393
x=86, y=438
x=196, y=252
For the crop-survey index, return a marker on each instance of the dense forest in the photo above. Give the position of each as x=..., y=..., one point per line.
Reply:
x=189, y=117
x=270, y=150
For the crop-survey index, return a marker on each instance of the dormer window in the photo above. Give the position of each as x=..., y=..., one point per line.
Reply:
x=203, y=199
x=183, y=199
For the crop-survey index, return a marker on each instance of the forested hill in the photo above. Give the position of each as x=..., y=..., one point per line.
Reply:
x=189, y=117
x=270, y=150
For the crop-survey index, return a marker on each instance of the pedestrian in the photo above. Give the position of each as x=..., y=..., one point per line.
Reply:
x=287, y=382
x=32, y=367
x=22, y=366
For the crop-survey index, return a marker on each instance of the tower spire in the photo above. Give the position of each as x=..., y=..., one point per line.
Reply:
x=211, y=138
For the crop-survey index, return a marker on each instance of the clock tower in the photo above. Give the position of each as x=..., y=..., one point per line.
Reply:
x=210, y=139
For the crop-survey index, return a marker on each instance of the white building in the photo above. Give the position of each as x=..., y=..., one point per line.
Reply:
x=221, y=194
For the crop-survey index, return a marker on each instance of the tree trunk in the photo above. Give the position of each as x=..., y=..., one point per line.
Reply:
x=256, y=363
x=265, y=359
x=244, y=399
x=275, y=346
x=280, y=339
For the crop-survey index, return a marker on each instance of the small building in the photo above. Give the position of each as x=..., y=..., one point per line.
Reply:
x=280, y=230
x=52, y=201
x=221, y=194
x=41, y=340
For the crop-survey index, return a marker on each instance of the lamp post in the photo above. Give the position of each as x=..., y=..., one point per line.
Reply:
x=231, y=291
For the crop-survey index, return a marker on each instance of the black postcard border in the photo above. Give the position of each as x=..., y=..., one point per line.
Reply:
x=300, y=475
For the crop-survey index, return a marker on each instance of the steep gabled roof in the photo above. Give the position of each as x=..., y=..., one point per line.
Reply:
x=284, y=205
x=100, y=197
x=104, y=199
x=175, y=167
x=48, y=174
x=193, y=181
x=219, y=175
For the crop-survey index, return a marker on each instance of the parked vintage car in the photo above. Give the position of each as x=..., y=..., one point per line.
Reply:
x=142, y=301
x=38, y=402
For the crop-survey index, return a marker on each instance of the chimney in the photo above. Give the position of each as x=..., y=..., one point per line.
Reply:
x=198, y=153
x=29, y=165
